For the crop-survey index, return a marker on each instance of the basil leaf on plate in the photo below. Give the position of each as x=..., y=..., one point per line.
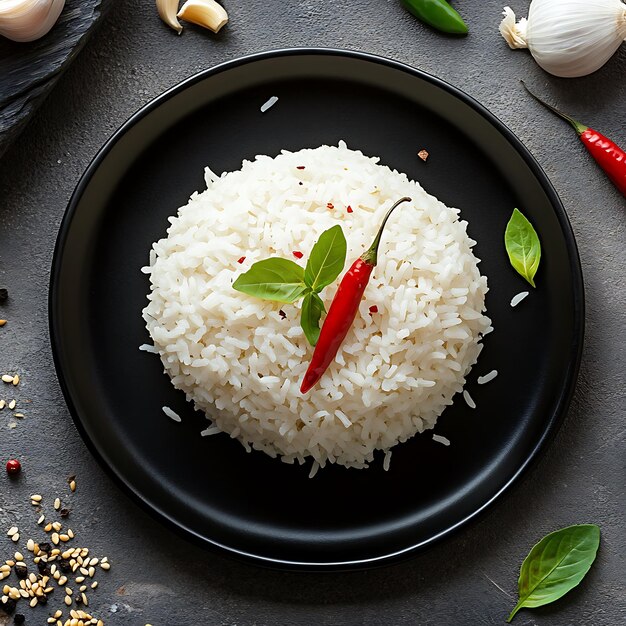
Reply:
x=326, y=260
x=312, y=309
x=556, y=565
x=523, y=246
x=275, y=279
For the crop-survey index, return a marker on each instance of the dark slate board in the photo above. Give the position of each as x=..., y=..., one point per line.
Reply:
x=28, y=71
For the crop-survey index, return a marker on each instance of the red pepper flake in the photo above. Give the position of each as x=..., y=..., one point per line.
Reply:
x=300, y=167
x=349, y=209
x=423, y=154
x=298, y=254
x=373, y=309
x=241, y=260
x=282, y=314
x=330, y=205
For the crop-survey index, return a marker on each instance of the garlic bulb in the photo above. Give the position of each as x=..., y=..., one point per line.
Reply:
x=568, y=37
x=27, y=20
x=167, y=12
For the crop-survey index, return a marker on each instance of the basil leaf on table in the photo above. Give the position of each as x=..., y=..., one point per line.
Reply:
x=556, y=565
x=275, y=279
x=326, y=260
x=312, y=309
x=523, y=246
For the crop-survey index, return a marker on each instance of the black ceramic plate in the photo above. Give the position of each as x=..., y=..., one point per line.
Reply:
x=250, y=504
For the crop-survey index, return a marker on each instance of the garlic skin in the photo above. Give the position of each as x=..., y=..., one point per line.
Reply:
x=167, y=12
x=207, y=13
x=27, y=20
x=568, y=38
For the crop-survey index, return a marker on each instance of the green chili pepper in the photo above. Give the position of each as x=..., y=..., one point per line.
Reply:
x=438, y=14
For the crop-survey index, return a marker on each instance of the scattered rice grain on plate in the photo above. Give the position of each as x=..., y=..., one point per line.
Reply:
x=441, y=439
x=314, y=469
x=487, y=378
x=146, y=347
x=387, y=460
x=468, y=399
x=171, y=414
x=519, y=297
x=269, y=104
x=211, y=430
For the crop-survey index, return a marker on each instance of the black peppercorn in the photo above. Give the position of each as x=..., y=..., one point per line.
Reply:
x=45, y=547
x=21, y=571
x=64, y=566
x=44, y=568
x=19, y=618
x=4, y=294
x=8, y=605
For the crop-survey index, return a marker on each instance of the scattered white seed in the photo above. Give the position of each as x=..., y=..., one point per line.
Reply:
x=7, y=378
x=470, y=403
x=94, y=584
x=20, y=415
x=73, y=485
x=269, y=104
x=487, y=378
x=519, y=297
x=3, y=403
x=12, y=404
x=42, y=519
x=57, y=526
x=68, y=600
x=171, y=414
x=36, y=497
x=12, y=531
x=441, y=439
x=15, y=538
x=16, y=380
x=70, y=532
x=57, y=504
x=105, y=565
x=30, y=545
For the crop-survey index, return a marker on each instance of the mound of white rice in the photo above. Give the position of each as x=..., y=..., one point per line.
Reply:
x=241, y=363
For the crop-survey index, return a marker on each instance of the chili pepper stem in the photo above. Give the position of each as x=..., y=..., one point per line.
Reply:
x=577, y=126
x=371, y=255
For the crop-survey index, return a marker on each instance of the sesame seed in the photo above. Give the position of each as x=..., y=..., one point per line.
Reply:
x=68, y=591
x=3, y=322
x=105, y=565
x=92, y=572
x=68, y=600
x=3, y=403
x=62, y=580
x=55, y=538
x=12, y=531
x=12, y=404
x=70, y=532
x=19, y=414
x=33, y=602
x=84, y=571
x=58, y=613
x=7, y=378
x=80, y=579
x=57, y=504
x=48, y=527
x=94, y=584
x=30, y=545
x=16, y=380
x=42, y=519
x=16, y=537
x=73, y=485
x=19, y=556
x=83, y=597
x=36, y=497
x=57, y=526
x=64, y=537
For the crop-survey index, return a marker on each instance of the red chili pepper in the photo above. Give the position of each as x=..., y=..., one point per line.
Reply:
x=608, y=155
x=241, y=260
x=343, y=309
x=349, y=209
x=297, y=254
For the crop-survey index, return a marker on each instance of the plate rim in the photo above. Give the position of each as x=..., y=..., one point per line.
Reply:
x=552, y=423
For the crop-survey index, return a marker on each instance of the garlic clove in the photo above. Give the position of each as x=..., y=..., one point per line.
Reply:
x=167, y=12
x=27, y=20
x=207, y=13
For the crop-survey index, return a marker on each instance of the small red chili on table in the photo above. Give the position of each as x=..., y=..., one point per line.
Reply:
x=607, y=154
x=13, y=467
x=343, y=309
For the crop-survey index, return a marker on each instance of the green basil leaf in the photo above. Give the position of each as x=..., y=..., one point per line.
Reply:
x=523, y=246
x=556, y=565
x=326, y=260
x=275, y=279
x=312, y=309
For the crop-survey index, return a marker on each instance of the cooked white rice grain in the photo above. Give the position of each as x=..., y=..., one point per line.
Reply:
x=171, y=414
x=518, y=298
x=487, y=378
x=241, y=363
x=468, y=399
x=269, y=104
x=441, y=439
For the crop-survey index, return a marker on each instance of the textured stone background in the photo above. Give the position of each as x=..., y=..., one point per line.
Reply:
x=158, y=578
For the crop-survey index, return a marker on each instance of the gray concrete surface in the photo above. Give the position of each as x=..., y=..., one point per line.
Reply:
x=160, y=579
